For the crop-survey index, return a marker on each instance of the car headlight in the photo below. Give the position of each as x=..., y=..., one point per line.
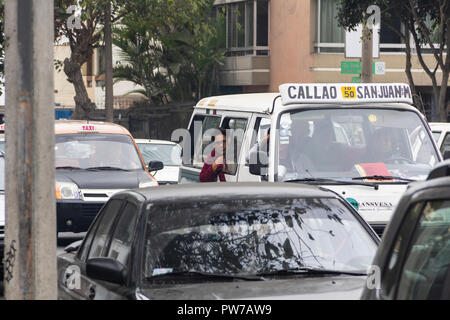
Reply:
x=67, y=190
x=152, y=183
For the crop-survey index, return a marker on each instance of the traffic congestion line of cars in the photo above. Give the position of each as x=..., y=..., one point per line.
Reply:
x=275, y=240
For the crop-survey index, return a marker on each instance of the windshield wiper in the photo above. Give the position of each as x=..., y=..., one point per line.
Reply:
x=340, y=182
x=309, y=270
x=204, y=275
x=68, y=168
x=106, y=168
x=380, y=177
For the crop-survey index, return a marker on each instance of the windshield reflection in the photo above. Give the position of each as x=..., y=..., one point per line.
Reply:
x=96, y=151
x=349, y=143
x=255, y=236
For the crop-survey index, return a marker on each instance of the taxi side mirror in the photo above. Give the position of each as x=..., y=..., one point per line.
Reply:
x=155, y=165
x=258, y=163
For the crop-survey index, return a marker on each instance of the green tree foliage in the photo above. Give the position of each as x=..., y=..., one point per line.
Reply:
x=428, y=23
x=172, y=48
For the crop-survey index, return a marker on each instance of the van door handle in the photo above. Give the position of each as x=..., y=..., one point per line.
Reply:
x=91, y=294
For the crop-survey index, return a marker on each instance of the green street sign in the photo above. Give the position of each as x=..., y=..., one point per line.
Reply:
x=356, y=79
x=354, y=67
x=351, y=67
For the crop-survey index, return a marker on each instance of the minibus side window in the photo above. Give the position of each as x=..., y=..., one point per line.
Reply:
x=236, y=128
x=199, y=141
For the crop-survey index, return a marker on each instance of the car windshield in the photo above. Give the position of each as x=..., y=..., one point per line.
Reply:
x=88, y=150
x=354, y=143
x=255, y=236
x=169, y=154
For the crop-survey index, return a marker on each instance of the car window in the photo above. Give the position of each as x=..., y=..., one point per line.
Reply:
x=445, y=144
x=104, y=225
x=391, y=269
x=355, y=141
x=436, y=135
x=168, y=154
x=122, y=237
x=199, y=126
x=428, y=257
x=87, y=151
x=235, y=135
x=256, y=235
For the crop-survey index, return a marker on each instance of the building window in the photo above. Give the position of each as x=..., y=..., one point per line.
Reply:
x=330, y=37
x=247, y=27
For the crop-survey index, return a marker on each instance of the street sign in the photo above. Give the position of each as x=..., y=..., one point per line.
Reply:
x=356, y=79
x=354, y=67
x=351, y=67
x=379, y=67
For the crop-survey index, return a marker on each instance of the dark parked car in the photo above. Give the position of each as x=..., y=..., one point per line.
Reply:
x=414, y=255
x=275, y=240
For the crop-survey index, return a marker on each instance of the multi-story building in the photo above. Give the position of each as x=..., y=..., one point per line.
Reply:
x=270, y=42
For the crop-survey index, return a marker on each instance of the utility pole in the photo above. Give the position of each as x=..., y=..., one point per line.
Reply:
x=30, y=244
x=367, y=54
x=109, y=93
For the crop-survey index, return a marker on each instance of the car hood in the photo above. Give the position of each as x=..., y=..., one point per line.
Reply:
x=168, y=173
x=103, y=179
x=304, y=288
x=2, y=209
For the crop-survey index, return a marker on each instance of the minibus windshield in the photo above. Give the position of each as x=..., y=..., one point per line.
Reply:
x=354, y=144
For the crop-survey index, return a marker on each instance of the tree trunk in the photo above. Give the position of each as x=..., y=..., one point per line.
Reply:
x=83, y=105
x=367, y=55
x=442, y=112
x=109, y=94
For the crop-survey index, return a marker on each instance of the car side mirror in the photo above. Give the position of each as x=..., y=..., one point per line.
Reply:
x=447, y=154
x=258, y=163
x=155, y=165
x=106, y=269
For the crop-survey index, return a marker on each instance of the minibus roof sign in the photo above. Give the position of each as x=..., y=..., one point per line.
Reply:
x=345, y=93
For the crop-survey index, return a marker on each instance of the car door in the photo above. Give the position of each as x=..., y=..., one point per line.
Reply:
x=75, y=283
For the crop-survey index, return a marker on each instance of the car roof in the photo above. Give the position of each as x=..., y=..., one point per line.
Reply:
x=233, y=190
x=154, y=141
x=439, y=126
x=248, y=102
x=265, y=102
x=74, y=126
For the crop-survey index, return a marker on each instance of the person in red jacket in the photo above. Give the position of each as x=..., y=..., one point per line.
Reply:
x=215, y=165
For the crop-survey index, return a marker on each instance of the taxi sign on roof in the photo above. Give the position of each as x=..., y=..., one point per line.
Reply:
x=345, y=93
x=88, y=128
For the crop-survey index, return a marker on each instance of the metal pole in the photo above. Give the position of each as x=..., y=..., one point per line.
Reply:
x=367, y=55
x=30, y=244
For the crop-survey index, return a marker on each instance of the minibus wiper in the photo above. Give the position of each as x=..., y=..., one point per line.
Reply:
x=379, y=177
x=68, y=168
x=334, y=181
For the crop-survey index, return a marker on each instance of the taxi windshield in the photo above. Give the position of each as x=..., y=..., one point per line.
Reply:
x=90, y=151
x=353, y=144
